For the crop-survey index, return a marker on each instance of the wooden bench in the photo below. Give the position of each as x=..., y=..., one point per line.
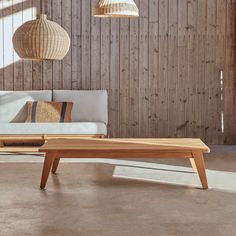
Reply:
x=124, y=148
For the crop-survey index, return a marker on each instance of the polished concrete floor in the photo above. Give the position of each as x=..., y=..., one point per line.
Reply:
x=87, y=200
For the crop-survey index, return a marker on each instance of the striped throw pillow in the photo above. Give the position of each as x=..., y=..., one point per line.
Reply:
x=48, y=112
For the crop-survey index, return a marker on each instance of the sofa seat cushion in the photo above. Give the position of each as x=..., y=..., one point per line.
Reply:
x=80, y=128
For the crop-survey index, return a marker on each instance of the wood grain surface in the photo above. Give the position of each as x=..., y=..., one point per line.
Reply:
x=162, y=70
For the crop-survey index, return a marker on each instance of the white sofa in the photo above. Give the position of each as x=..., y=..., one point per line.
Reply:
x=89, y=113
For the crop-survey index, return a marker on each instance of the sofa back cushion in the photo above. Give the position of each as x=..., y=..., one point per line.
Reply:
x=13, y=106
x=89, y=106
x=48, y=112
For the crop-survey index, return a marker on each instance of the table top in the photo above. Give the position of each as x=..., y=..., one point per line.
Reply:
x=106, y=144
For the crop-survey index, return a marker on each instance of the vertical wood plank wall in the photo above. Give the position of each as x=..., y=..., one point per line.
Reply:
x=169, y=73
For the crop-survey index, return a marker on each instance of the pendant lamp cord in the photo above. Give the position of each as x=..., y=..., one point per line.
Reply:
x=41, y=7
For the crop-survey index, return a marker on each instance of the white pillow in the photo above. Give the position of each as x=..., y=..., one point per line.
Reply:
x=13, y=104
x=89, y=106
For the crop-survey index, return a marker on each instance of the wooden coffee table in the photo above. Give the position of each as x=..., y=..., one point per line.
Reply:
x=124, y=148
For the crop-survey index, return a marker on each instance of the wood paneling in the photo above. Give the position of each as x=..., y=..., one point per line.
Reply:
x=162, y=70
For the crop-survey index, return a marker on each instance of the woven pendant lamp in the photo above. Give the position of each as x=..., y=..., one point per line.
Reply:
x=41, y=39
x=115, y=8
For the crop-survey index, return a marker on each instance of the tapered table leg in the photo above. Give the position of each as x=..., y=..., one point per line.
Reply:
x=193, y=165
x=200, y=165
x=48, y=161
x=55, y=165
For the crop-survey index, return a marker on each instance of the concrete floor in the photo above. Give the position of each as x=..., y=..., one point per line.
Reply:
x=84, y=200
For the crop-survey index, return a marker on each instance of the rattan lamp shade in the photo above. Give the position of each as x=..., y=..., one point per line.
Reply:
x=115, y=8
x=41, y=39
